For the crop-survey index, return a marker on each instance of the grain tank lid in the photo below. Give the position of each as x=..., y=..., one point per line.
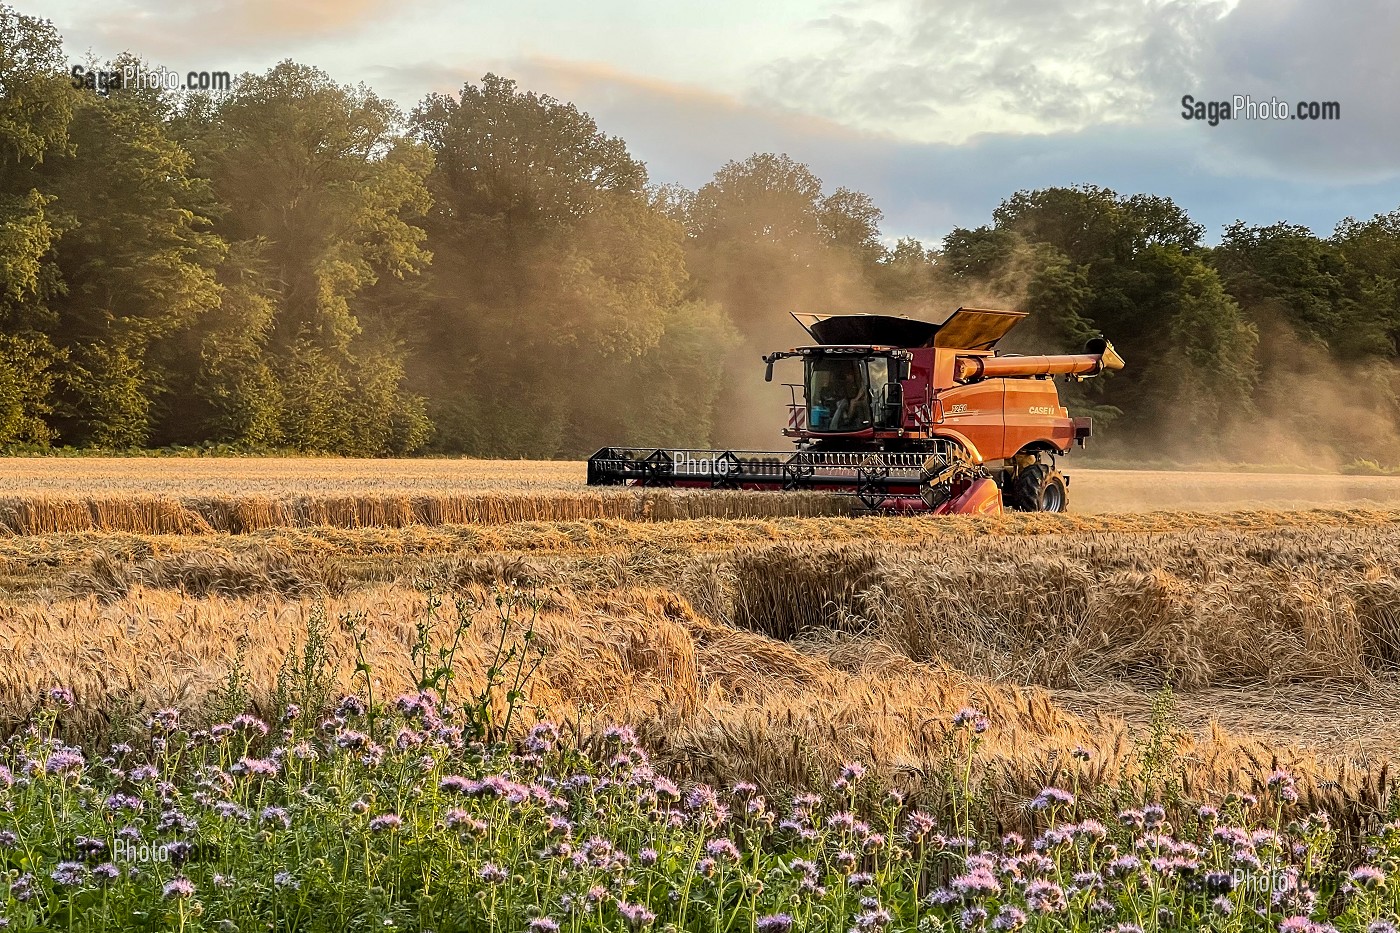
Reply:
x=975, y=328
x=965, y=329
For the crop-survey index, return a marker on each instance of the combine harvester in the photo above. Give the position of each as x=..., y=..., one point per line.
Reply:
x=905, y=415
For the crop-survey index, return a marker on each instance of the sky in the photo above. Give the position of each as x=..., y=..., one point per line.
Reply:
x=938, y=109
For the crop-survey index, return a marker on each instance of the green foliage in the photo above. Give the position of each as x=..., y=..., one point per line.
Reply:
x=35, y=96
x=26, y=380
x=306, y=679
x=1157, y=755
x=235, y=694
x=558, y=283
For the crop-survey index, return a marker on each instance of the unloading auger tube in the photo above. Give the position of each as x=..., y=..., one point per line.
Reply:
x=1098, y=357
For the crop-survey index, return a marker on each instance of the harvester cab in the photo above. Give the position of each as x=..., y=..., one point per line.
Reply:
x=904, y=414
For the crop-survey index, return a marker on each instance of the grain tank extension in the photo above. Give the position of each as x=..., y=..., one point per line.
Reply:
x=905, y=415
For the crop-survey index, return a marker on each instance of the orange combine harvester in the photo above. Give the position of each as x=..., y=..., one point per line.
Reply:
x=906, y=415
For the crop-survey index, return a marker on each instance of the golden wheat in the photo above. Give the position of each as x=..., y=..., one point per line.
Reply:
x=714, y=702
x=746, y=635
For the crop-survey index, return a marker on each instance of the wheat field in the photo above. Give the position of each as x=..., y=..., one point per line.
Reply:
x=746, y=636
x=200, y=495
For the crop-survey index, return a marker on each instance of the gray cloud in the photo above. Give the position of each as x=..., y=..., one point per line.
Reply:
x=948, y=70
x=1312, y=51
x=955, y=68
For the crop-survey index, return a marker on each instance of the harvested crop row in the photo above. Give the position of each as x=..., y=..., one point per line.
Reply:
x=624, y=519
x=1192, y=610
x=148, y=514
x=1185, y=610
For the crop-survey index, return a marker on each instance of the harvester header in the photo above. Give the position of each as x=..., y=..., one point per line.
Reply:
x=905, y=415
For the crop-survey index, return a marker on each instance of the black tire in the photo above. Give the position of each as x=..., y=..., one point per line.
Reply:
x=1038, y=488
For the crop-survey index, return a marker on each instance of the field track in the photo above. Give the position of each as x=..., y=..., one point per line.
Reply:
x=175, y=496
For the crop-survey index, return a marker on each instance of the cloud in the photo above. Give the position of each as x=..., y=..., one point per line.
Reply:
x=159, y=28
x=947, y=71
x=1299, y=51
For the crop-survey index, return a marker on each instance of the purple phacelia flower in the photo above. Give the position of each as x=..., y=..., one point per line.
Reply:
x=65, y=761
x=918, y=826
x=349, y=738
x=1283, y=786
x=384, y=822
x=702, y=797
x=275, y=815
x=68, y=874
x=60, y=697
x=231, y=811
x=851, y=773
x=255, y=767
x=1045, y=897
x=636, y=916
x=774, y=923
x=977, y=883
x=90, y=847
x=722, y=849
x=971, y=718
x=22, y=888
x=873, y=919
x=246, y=722
x=491, y=873
x=178, y=888
x=972, y=918
x=1367, y=877
x=1008, y=919
x=1052, y=797
x=456, y=784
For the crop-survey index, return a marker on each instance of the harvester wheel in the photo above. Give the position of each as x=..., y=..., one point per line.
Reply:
x=1038, y=488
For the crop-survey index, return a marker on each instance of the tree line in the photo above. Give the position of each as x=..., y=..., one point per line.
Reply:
x=299, y=265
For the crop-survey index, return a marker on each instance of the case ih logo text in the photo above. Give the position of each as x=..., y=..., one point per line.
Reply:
x=1244, y=107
